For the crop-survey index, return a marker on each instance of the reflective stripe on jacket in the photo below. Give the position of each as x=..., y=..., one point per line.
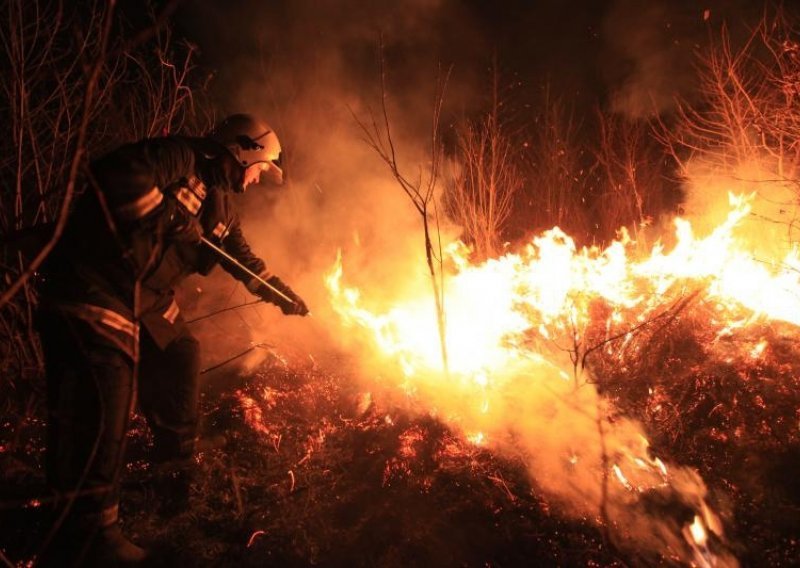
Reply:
x=112, y=326
x=160, y=314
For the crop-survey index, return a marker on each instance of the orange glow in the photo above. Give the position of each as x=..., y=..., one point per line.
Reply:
x=518, y=326
x=546, y=290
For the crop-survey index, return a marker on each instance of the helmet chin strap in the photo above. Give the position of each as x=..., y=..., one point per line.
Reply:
x=236, y=176
x=238, y=185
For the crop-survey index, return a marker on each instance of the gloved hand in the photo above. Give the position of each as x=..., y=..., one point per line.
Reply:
x=297, y=307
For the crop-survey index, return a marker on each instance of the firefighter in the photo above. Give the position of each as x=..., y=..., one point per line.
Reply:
x=133, y=236
x=238, y=153
x=89, y=329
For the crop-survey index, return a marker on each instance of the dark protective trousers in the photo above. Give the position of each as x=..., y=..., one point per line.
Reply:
x=91, y=391
x=168, y=394
x=90, y=394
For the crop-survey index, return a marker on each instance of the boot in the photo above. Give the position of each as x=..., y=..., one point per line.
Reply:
x=112, y=548
x=172, y=483
x=92, y=540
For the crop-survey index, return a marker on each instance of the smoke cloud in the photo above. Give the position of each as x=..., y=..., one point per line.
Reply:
x=308, y=68
x=651, y=52
x=312, y=70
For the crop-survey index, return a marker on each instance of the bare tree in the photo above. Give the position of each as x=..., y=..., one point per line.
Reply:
x=419, y=191
x=71, y=88
x=557, y=168
x=632, y=188
x=482, y=193
x=748, y=111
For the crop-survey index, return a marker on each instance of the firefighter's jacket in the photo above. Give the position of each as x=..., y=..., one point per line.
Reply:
x=213, y=207
x=118, y=231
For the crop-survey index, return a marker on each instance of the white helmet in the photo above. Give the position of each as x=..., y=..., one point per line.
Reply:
x=251, y=141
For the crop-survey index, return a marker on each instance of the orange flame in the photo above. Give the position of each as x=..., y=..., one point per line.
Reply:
x=547, y=289
x=525, y=314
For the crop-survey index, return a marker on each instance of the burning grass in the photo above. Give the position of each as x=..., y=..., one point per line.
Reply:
x=587, y=419
x=728, y=405
x=318, y=472
x=559, y=355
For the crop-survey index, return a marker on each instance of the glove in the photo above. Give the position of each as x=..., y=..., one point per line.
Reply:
x=297, y=307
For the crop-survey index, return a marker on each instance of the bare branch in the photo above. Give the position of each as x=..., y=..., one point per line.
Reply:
x=77, y=159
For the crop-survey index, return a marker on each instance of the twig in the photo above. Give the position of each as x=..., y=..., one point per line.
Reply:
x=77, y=158
x=671, y=313
x=498, y=479
x=149, y=31
x=211, y=314
x=254, y=536
x=604, y=517
x=237, y=493
x=242, y=354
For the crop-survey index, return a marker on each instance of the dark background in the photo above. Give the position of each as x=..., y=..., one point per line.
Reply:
x=592, y=51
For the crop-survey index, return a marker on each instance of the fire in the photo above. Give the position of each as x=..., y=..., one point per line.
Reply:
x=546, y=291
x=518, y=334
x=758, y=350
x=477, y=438
x=253, y=416
x=698, y=531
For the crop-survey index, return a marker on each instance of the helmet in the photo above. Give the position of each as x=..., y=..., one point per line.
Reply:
x=251, y=141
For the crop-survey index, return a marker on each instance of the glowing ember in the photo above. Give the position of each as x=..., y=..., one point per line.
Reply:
x=409, y=440
x=661, y=467
x=698, y=531
x=253, y=537
x=253, y=415
x=621, y=477
x=757, y=351
x=478, y=438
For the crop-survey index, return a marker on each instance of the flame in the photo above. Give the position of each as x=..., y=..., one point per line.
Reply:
x=546, y=291
x=523, y=319
x=697, y=538
x=252, y=413
x=477, y=438
x=758, y=350
x=698, y=531
x=621, y=477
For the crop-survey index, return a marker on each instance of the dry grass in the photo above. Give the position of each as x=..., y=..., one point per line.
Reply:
x=326, y=479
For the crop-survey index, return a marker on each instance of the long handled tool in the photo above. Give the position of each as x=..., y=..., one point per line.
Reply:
x=246, y=270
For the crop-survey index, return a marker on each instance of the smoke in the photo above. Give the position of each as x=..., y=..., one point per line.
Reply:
x=308, y=67
x=649, y=63
x=650, y=57
x=520, y=397
x=768, y=230
x=658, y=55
x=312, y=69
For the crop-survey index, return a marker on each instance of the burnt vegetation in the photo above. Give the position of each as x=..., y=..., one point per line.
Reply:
x=316, y=472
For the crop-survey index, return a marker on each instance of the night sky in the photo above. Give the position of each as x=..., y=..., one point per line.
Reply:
x=612, y=53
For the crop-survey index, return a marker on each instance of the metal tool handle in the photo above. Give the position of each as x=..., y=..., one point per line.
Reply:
x=246, y=270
